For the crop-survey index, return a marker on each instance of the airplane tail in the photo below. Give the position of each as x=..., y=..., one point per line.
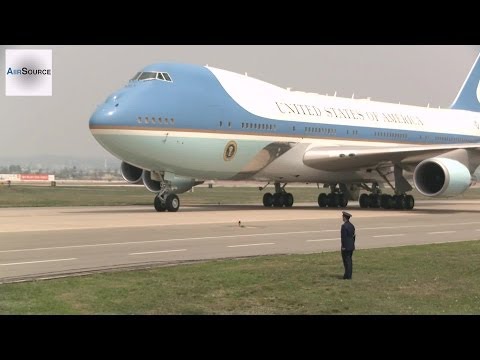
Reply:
x=469, y=96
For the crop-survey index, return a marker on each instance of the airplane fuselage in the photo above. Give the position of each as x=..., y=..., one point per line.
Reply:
x=208, y=123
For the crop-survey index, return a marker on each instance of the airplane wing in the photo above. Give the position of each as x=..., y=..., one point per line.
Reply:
x=356, y=158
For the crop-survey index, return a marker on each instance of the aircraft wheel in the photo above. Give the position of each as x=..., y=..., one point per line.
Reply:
x=374, y=201
x=332, y=200
x=267, y=199
x=288, y=199
x=400, y=202
x=322, y=200
x=409, y=202
x=173, y=203
x=385, y=201
x=342, y=201
x=364, y=201
x=159, y=205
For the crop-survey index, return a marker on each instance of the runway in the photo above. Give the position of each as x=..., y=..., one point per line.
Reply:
x=38, y=243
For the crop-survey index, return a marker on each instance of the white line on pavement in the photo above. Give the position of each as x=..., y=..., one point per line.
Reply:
x=323, y=240
x=389, y=235
x=229, y=236
x=36, y=262
x=232, y=246
x=157, y=252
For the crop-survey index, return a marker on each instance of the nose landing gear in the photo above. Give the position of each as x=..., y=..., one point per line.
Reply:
x=165, y=200
x=170, y=202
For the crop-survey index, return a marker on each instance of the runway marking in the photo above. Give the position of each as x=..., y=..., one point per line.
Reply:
x=260, y=244
x=389, y=235
x=36, y=262
x=157, y=252
x=103, y=226
x=336, y=239
x=440, y=232
x=228, y=236
x=165, y=240
x=417, y=226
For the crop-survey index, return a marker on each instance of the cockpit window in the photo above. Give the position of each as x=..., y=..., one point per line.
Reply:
x=152, y=75
x=167, y=77
x=136, y=76
x=147, y=75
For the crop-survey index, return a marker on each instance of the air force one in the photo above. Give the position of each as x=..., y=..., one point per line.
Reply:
x=176, y=125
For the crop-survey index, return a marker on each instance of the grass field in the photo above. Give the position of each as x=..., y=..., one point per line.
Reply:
x=20, y=195
x=427, y=279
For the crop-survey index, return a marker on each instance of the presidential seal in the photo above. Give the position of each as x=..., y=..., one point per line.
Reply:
x=230, y=150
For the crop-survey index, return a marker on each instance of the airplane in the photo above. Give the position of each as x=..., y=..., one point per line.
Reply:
x=176, y=125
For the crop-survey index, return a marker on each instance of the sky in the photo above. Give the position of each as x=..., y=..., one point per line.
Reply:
x=84, y=76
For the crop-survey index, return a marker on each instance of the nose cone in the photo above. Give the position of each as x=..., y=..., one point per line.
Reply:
x=108, y=113
x=104, y=116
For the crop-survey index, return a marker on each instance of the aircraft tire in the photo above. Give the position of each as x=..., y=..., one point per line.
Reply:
x=159, y=205
x=288, y=199
x=173, y=203
x=267, y=200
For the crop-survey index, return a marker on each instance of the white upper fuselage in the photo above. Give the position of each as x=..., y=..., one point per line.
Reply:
x=270, y=101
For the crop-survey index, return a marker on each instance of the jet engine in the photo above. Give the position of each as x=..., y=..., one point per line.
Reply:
x=131, y=174
x=442, y=177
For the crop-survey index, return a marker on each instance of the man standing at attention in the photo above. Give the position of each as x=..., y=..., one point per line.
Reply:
x=348, y=244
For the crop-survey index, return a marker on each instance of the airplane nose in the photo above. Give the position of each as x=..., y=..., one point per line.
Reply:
x=108, y=113
x=105, y=114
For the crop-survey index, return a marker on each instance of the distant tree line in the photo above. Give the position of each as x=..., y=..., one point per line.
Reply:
x=13, y=169
x=67, y=173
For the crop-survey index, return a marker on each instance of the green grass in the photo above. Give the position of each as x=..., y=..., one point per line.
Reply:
x=22, y=195
x=427, y=279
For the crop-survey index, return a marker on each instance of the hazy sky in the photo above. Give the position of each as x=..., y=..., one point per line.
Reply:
x=83, y=77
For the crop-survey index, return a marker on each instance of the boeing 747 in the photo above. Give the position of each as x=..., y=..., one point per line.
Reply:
x=176, y=125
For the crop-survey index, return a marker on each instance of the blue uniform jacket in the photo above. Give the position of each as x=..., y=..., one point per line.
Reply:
x=348, y=236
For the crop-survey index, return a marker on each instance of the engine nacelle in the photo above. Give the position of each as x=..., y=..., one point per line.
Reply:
x=130, y=173
x=441, y=177
x=150, y=184
x=179, y=184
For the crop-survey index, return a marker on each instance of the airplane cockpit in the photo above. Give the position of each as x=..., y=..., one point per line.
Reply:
x=151, y=75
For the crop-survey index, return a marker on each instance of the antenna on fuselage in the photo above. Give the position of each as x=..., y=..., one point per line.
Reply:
x=335, y=94
x=353, y=95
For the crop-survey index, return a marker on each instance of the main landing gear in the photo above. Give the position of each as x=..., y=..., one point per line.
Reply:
x=377, y=200
x=165, y=200
x=399, y=201
x=337, y=198
x=279, y=199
